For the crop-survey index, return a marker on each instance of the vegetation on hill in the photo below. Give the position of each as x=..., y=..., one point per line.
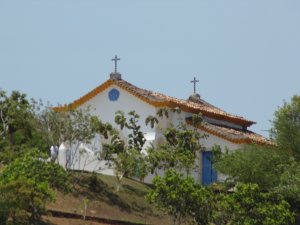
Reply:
x=98, y=192
x=189, y=202
x=264, y=180
x=273, y=168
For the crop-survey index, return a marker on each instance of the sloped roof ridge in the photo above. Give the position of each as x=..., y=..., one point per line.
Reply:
x=202, y=105
x=164, y=97
x=233, y=135
x=160, y=100
x=236, y=135
x=144, y=92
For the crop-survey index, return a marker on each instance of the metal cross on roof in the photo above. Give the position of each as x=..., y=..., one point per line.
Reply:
x=116, y=59
x=195, y=81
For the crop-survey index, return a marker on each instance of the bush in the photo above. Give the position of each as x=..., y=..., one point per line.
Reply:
x=260, y=165
x=181, y=198
x=24, y=201
x=249, y=205
x=4, y=211
x=95, y=183
x=25, y=187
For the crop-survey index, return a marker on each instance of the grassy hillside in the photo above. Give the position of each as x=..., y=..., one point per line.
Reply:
x=64, y=221
x=98, y=193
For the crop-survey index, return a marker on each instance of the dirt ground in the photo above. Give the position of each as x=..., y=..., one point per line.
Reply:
x=129, y=204
x=64, y=221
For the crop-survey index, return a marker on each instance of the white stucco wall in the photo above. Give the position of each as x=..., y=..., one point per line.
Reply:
x=101, y=106
x=208, y=143
x=212, y=140
x=105, y=109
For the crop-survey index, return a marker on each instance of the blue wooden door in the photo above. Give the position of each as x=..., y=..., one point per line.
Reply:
x=209, y=174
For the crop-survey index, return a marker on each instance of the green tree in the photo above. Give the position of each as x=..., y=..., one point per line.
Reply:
x=181, y=198
x=27, y=183
x=124, y=155
x=261, y=165
x=33, y=165
x=286, y=127
x=268, y=167
x=24, y=201
x=72, y=125
x=125, y=164
x=248, y=205
x=17, y=126
x=289, y=184
x=274, y=167
x=15, y=111
x=182, y=146
x=135, y=137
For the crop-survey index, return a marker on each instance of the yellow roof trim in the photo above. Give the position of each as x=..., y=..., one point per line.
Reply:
x=169, y=102
x=245, y=140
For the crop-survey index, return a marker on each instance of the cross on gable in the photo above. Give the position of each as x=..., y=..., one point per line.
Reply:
x=194, y=81
x=116, y=59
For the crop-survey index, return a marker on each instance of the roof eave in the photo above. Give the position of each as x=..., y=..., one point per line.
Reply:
x=166, y=103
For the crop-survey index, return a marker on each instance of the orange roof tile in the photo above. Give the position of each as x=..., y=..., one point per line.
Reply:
x=233, y=135
x=161, y=100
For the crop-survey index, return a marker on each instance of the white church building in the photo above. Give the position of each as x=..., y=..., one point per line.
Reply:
x=226, y=130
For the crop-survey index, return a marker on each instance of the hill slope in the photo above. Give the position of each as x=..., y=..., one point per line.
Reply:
x=98, y=194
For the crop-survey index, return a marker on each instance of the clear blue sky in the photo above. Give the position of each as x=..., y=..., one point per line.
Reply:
x=246, y=53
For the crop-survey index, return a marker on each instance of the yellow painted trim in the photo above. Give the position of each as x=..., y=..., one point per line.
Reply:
x=245, y=140
x=167, y=103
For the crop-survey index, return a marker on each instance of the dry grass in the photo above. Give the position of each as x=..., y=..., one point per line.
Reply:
x=63, y=221
x=104, y=201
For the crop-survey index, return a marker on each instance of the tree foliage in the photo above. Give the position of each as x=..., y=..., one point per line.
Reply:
x=17, y=126
x=15, y=113
x=286, y=127
x=189, y=202
x=136, y=137
x=289, y=183
x=24, y=201
x=33, y=165
x=72, y=125
x=261, y=165
x=27, y=184
x=124, y=155
x=181, y=148
x=273, y=168
x=182, y=198
x=249, y=205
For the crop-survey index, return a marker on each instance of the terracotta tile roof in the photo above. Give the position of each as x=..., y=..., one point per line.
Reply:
x=233, y=135
x=161, y=100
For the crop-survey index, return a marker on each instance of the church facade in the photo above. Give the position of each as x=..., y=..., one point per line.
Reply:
x=223, y=129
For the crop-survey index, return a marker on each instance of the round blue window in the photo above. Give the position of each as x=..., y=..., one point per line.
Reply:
x=113, y=94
